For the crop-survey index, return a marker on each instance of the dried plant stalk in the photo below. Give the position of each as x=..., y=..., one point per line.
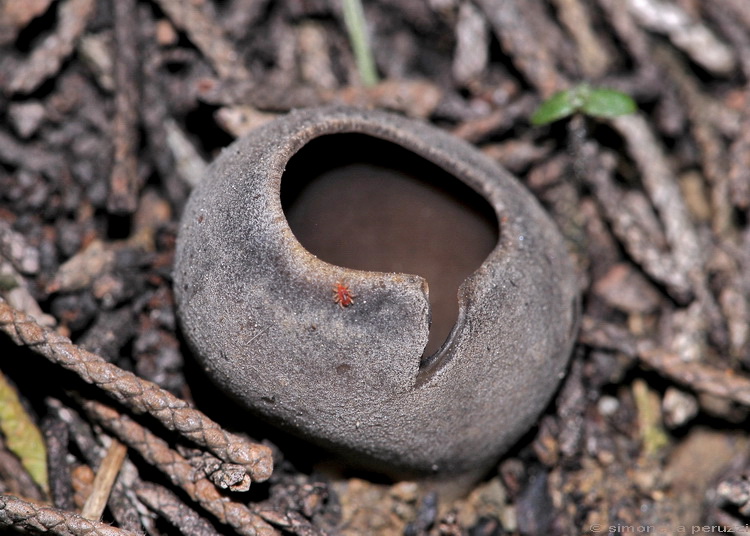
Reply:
x=702, y=378
x=139, y=395
x=36, y=519
x=157, y=452
x=169, y=505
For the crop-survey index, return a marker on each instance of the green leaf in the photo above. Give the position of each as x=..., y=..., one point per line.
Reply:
x=594, y=102
x=560, y=105
x=22, y=436
x=608, y=103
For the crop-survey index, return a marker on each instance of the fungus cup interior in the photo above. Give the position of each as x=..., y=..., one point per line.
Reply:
x=368, y=204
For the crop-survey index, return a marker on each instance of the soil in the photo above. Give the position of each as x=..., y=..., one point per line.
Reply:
x=109, y=113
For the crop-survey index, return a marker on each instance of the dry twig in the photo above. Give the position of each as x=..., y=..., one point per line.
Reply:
x=687, y=250
x=124, y=182
x=699, y=377
x=140, y=395
x=105, y=479
x=207, y=35
x=593, y=56
x=695, y=38
x=56, y=438
x=521, y=43
x=167, y=504
x=472, y=44
x=712, y=149
x=637, y=226
x=121, y=503
x=661, y=186
x=37, y=519
x=157, y=452
x=48, y=57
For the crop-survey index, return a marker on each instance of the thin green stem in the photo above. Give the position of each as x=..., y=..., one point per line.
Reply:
x=354, y=19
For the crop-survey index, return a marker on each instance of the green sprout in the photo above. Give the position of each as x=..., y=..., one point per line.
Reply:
x=594, y=102
x=354, y=19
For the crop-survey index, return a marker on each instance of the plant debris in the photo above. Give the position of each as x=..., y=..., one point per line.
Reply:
x=111, y=111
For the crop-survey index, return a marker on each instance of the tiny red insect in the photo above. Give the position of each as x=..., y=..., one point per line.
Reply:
x=342, y=295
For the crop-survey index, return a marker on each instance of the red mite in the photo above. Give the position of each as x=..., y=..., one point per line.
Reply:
x=342, y=295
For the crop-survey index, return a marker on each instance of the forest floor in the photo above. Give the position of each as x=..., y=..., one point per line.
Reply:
x=111, y=110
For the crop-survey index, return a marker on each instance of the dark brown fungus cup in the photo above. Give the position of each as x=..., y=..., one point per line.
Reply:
x=296, y=287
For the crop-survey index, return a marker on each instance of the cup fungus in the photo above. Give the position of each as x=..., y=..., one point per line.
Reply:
x=301, y=280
